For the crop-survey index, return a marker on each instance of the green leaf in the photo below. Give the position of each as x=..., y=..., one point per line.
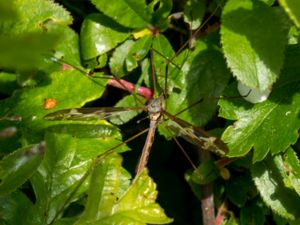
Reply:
x=194, y=186
x=138, y=52
x=17, y=167
x=128, y=101
x=289, y=168
x=138, y=203
x=7, y=83
x=202, y=78
x=239, y=189
x=257, y=125
x=39, y=15
x=68, y=49
x=7, y=10
x=205, y=173
x=117, y=60
x=291, y=7
x=99, y=34
x=29, y=103
x=160, y=14
x=261, y=39
x=134, y=206
x=129, y=13
x=24, y=51
x=62, y=177
x=66, y=221
x=280, y=199
x=104, y=190
x=14, y=205
x=231, y=220
x=252, y=215
x=193, y=13
x=268, y=2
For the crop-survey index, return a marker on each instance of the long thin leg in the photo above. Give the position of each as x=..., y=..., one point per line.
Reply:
x=147, y=147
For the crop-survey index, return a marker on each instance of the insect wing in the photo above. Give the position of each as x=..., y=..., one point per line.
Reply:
x=89, y=113
x=196, y=136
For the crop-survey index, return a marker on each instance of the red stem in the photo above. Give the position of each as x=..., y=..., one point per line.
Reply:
x=130, y=87
x=207, y=201
x=122, y=84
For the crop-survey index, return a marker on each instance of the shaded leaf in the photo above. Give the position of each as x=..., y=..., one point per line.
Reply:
x=289, y=168
x=17, y=167
x=205, y=173
x=280, y=199
x=7, y=83
x=129, y=100
x=138, y=52
x=7, y=10
x=14, y=205
x=239, y=188
x=117, y=61
x=194, y=12
x=194, y=186
x=201, y=78
x=252, y=215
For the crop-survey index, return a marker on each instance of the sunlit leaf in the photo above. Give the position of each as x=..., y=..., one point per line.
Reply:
x=292, y=9
x=132, y=13
x=257, y=125
x=67, y=163
x=29, y=104
x=261, y=39
x=39, y=15
x=99, y=34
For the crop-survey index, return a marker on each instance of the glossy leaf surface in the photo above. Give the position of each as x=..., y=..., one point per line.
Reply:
x=249, y=44
x=257, y=125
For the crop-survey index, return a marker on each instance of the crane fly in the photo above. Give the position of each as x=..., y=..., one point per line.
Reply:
x=157, y=114
x=169, y=107
x=156, y=108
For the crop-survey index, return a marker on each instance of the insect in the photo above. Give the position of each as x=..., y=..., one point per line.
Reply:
x=175, y=88
x=157, y=114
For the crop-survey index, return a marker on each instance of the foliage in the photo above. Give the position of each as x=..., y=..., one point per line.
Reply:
x=70, y=172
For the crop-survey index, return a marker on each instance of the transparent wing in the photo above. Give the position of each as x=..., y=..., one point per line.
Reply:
x=196, y=135
x=89, y=113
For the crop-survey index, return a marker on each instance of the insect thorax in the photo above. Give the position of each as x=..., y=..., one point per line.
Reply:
x=156, y=107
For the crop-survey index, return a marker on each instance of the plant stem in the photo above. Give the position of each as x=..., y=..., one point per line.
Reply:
x=207, y=201
x=130, y=87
